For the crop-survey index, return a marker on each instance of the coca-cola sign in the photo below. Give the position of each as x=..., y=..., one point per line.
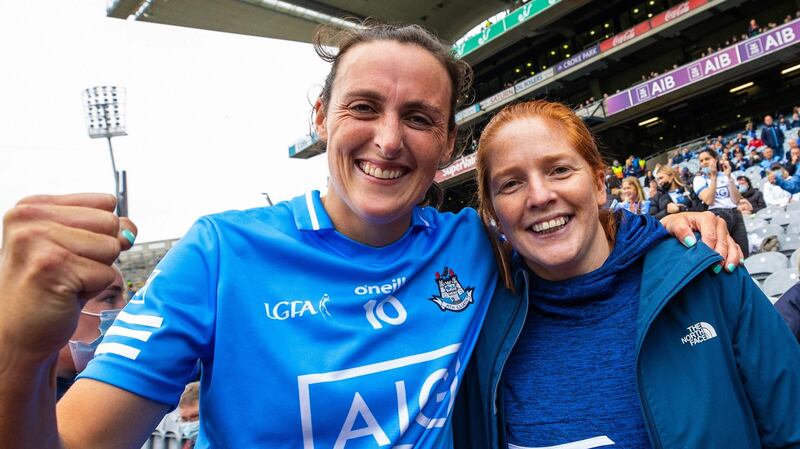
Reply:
x=675, y=12
x=624, y=36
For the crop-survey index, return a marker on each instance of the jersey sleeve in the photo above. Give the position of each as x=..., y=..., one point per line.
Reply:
x=154, y=344
x=699, y=184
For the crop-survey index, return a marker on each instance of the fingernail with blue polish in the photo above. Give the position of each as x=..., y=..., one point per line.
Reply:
x=689, y=241
x=129, y=236
x=717, y=269
x=731, y=267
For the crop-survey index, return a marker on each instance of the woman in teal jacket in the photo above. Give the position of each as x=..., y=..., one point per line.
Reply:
x=616, y=336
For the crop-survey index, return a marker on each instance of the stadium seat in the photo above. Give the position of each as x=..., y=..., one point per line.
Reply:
x=770, y=212
x=793, y=206
x=778, y=282
x=794, y=260
x=754, y=171
x=793, y=229
x=763, y=264
x=786, y=218
x=789, y=243
x=737, y=173
x=756, y=183
x=768, y=230
x=750, y=223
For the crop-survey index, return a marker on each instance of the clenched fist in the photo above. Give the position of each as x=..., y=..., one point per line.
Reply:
x=56, y=253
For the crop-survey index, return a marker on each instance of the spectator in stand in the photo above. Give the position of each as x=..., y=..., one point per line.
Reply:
x=631, y=167
x=791, y=184
x=716, y=188
x=96, y=317
x=740, y=140
x=612, y=182
x=749, y=129
x=632, y=197
x=795, y=121
x=772, y=136
x=672, y=196
x=618, y=170
x=774, y=195
x=783, y=124
x=755, y=157
x=752, y=28
x=189, y=409
x=752, y=199
x=768, y=160
x=739, y=161
x=792, y=163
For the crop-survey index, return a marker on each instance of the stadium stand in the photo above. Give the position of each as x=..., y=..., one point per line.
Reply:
x=138, y=262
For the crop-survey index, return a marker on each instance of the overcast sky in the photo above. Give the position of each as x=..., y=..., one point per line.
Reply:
x=209, y=115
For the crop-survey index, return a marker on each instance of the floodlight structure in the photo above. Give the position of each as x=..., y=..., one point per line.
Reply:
x=105, y=118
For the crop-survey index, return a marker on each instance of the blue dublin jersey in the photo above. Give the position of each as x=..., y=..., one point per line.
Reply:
x=308, y=339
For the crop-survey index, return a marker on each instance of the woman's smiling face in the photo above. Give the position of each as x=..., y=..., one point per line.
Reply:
x=546, y=198
x=386, y=130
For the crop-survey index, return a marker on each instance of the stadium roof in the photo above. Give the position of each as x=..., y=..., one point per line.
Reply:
x=298, y=19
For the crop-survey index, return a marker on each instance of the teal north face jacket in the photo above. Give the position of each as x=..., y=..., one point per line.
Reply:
x=717, y=366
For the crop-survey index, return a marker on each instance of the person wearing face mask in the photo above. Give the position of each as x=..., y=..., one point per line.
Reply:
x=716, y=188
x=752, y=199
x=189, y=410
x=94, y=321
x=672, y=196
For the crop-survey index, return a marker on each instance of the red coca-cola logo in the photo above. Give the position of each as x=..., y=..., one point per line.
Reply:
x=623, y=37
x=677, y=11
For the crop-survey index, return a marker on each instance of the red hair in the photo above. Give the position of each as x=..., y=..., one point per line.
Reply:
x=578, y=136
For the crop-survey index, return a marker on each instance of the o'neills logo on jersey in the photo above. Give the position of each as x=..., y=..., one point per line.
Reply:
x=284, y=310
x=385, y=289
x=452, y=295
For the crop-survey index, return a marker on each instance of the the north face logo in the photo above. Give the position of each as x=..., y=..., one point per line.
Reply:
x=699, y=333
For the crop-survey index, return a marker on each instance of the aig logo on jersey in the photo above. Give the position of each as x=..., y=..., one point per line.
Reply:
x=452, y=295
x=294, y=309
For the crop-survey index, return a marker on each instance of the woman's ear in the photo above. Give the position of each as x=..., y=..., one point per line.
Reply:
x=319, y=120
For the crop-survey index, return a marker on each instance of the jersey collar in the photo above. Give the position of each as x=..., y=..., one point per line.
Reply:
x=310, y=214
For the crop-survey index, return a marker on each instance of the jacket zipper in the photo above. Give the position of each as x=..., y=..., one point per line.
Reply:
x=645, y=407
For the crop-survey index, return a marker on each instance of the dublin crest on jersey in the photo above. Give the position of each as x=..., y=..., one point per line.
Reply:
x=452, y=295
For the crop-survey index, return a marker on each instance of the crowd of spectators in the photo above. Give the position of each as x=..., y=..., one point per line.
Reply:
x=753, y=29
x=760, y=159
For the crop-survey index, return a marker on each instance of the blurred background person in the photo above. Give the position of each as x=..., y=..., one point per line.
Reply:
x=752, y=199
x=96, y=317
x=632, y=197
x=189, y=410
x=717, y=189
x=774, y=195
x=672, y=196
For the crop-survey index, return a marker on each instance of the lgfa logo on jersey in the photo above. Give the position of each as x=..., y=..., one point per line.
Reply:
x=699, y=333
x=293, y=309
x=452, y=295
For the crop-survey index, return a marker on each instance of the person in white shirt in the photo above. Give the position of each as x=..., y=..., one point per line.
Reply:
x=717, y=189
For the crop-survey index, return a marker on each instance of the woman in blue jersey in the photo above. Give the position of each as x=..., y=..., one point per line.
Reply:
x=716, y=188
x=614, y=335
x=343, y=320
